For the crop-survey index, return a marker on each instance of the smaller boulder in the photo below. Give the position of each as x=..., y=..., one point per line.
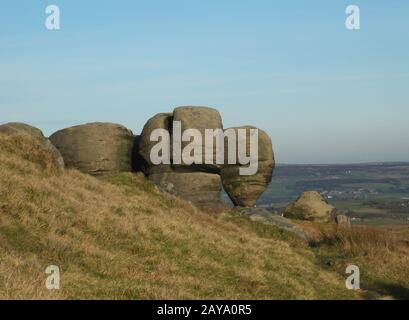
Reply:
x=311, y=206
x=17, y=128
x=343, y=221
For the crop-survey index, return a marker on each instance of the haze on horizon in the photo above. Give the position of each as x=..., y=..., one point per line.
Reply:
x=323, y=93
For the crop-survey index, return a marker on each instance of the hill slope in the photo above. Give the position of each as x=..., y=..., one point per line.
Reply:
x=121, y=238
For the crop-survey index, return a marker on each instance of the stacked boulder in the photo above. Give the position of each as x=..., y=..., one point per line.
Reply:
x=244, y=190
x=202, y=183
x=17, y=128
x=197, y=183
x=96, y=148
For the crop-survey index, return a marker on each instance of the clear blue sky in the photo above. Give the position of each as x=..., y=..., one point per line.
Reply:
x=323, y=93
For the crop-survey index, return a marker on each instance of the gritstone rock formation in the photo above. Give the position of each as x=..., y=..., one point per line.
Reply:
x=105, y=148
x=96, y=148
x=199, y=182
x=15, y=128
x=311, y=206
x=245, y=190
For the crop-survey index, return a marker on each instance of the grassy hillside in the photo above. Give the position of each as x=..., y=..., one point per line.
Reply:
x=120, y=238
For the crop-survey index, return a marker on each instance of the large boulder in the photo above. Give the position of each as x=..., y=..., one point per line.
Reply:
x=17, y=128
x=311, y=206
x=244, y=190
x=196, y=183
x=200, y=118
x=96, y=148
x=159, y=121
x=201, y=189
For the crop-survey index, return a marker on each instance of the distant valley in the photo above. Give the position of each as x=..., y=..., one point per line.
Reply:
x=373, y=193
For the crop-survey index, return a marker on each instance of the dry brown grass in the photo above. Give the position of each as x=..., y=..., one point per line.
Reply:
x=381, y=253
x=120, y=238
x=358, y=240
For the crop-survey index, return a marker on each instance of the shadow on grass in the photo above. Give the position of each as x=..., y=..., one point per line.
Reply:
x=394, y=290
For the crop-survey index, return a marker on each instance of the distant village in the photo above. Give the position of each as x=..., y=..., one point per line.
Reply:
x=357, y=194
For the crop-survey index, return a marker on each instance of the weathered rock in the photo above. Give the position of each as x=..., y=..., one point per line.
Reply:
x=96, y=148
x=201, y=189
x=18, y=128
x=15, y=128
x=266, y=217
x=311, y=206
x=343, y=221
x=244, y=190
x=159, y=121
x=200, y=118
x=55, y=152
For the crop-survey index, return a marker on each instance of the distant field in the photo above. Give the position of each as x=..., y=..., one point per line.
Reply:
x=368, y=193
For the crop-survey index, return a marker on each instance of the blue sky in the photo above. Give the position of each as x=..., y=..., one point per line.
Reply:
x=325, y=94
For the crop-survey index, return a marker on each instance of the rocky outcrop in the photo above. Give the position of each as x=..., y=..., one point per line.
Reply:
x=311, y=206
x=194, y=133
x=96, y=148
x=244, y=190
x=16, y=128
